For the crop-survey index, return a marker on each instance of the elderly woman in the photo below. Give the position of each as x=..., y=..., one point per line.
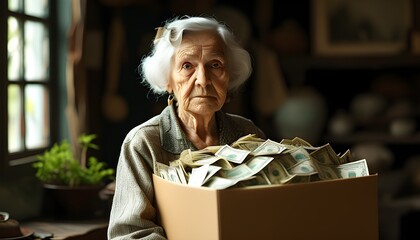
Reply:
x=197, y=61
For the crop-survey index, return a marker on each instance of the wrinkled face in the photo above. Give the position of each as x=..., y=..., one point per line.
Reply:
x=199, y=77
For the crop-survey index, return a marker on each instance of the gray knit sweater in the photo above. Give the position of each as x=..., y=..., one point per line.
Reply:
x=133, y=214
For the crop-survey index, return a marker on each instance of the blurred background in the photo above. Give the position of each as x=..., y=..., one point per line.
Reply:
x=329, y=71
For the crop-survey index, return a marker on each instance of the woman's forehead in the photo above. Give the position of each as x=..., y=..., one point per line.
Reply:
x=201, y=41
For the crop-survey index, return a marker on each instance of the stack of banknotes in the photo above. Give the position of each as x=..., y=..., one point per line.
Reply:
x=252, y=161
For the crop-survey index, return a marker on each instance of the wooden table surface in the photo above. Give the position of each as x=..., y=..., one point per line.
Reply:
x=74, y=230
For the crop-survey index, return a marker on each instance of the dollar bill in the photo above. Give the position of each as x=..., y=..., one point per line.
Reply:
x=211, y=171
x=299, y=179
x=239, y=172
x=188, y=157
x=269, y=147
x=276, y=173
x=161, y=170
x=299, y=142
x=232, y=154
x=326, y=171
x=256, y=180
x=325, y=155
x=216, y=182
x=181, y=174
x=180, y=167
x=173, y=175
x=300, y=154
x=286, y=159
x=214, y=160
x=353, y=169
x=249, y=142
x=248, y=138
x=304, y=168
x=208, y=150
x=198, y=175
x=257, y=163
x=346, y=157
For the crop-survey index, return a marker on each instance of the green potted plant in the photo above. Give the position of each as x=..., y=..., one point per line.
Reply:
x=71, y=184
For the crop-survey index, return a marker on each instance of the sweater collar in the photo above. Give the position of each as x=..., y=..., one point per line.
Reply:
x=174, y=139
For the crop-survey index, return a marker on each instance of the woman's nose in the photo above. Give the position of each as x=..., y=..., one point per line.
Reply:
x=201, y=77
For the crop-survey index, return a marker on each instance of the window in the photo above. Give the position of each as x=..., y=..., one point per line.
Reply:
x=26, y=79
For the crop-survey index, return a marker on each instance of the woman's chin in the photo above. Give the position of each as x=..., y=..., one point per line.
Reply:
x=203, y=109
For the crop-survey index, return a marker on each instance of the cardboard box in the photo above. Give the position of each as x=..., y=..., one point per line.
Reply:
x=333, y=209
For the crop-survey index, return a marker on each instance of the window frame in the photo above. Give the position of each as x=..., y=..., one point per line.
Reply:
x=27, y=156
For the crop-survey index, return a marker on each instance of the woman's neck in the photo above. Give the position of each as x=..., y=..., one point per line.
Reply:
x=200, y=130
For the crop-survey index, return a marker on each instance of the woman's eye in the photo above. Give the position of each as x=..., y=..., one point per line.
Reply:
x=187, y=66
x=216, y=65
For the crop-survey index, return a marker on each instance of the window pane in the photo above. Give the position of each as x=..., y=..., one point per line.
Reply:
x=14, y=49
x=15, y=120
x=36, y=116
x=14, y=5
x=38, y=8
x=36, y=51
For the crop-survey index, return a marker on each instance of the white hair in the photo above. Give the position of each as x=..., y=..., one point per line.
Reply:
x=155, y=68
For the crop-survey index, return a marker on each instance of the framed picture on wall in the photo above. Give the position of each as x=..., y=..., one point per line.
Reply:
x=360, y=27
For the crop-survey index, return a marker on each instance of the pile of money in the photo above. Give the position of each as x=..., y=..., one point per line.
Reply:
x=252, y=161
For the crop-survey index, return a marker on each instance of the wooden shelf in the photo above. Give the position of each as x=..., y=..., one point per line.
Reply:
x=310, y=61
x=296, y=67
x=373, y=137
